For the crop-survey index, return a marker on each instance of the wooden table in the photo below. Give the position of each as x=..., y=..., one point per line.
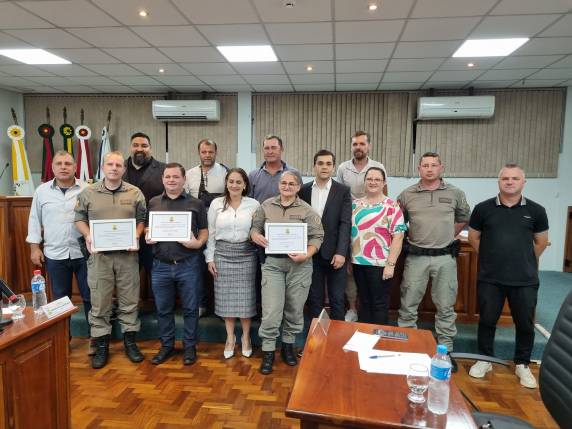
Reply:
x=34, y=372
x=331, y=391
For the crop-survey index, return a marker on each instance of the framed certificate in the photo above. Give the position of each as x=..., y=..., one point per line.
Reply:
x=286, y=237
x=113, y=234
x=170, y=226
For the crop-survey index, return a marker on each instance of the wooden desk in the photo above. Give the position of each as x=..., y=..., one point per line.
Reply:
x=331, y=391
x=34, y=373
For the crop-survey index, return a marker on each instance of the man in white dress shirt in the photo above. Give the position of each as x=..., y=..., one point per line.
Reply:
x=206, y=182
x=53, y=211
x=352, y=173
x=333, y=202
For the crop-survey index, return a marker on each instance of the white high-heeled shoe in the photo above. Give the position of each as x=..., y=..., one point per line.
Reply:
x=246, y=352
x=229, y=349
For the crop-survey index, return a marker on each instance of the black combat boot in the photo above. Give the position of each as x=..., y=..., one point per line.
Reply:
x=131, y=349
x=101, y=344
x=288, y=355
x=267, y=362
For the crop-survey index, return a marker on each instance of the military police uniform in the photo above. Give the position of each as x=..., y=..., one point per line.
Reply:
x=115, y=270
x=432, y=252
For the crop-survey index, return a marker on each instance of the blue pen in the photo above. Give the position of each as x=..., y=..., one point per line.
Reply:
x=381, y=356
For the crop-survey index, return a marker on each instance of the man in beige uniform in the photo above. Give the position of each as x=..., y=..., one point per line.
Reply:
x=115, y=270
x=436, y=211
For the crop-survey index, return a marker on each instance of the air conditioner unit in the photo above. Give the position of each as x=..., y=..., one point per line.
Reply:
x=473, y=107
x=186, y=110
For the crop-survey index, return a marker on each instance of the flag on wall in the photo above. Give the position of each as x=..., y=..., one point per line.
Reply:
x=103, y=148
x=21, y=174
x=83, y=172
x=67, y=131
x=47, y=132
x=83, y=134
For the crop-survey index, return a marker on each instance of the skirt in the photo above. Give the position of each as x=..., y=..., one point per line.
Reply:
x=234, y=291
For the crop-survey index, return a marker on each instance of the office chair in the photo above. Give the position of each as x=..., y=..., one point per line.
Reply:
x=555, y=379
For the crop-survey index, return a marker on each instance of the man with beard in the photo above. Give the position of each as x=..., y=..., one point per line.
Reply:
x=145, y=172
x=352, y=173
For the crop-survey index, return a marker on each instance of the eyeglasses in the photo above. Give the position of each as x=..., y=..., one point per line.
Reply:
x=374, y=180
x=288, y=184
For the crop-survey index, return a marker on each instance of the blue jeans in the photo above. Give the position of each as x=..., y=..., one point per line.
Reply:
x=61, y=274
x=184, y=278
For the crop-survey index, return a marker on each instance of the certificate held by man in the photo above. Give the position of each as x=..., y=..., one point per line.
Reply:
x=113, y=234
x=170, y=226
x=286, y=238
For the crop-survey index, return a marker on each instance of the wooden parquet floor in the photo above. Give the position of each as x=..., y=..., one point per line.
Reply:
x=231, y=394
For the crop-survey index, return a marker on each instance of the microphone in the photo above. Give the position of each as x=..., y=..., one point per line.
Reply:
x=4, y=289
x=4, y=170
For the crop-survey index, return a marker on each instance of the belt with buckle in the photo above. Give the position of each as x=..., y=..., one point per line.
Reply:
x=171, y=261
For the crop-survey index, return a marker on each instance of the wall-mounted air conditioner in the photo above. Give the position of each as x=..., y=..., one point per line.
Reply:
x=186, y=110
x=473, y=107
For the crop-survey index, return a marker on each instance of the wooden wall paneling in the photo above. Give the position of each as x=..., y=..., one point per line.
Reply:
x=22, y=267
x=5, y=237
x=567, y=265
x=15, y=265
x=41, y=358
x=4, y=423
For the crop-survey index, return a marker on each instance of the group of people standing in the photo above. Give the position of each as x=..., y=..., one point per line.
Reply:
x=355, y=234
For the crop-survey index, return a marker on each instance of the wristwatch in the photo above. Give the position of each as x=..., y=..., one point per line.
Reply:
x=390, y=264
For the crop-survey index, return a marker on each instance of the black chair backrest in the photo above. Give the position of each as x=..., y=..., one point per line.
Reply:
x=556, y=368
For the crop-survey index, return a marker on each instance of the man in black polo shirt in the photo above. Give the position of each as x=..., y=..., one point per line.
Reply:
x=510, y=233
x=177, y=266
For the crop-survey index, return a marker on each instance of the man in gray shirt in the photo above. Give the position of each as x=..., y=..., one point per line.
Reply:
x=352, y=173
x=264, y=180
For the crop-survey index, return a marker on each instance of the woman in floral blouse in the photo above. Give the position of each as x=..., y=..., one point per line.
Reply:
x=377, y=236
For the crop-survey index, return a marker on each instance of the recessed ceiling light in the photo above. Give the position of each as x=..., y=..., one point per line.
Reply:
x=248, y=54
x=161, y=70
x=143, y=13
x=471, y=65
x=309, y=67
x=372, y=7
x=489, y=47
x=33, y=56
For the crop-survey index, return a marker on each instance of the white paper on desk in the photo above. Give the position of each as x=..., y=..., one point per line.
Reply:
x=361, y=342
x=395, y=363
x=9, y=310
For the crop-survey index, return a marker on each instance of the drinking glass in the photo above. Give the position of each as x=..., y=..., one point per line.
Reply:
x=18, y=306
x=418, y=382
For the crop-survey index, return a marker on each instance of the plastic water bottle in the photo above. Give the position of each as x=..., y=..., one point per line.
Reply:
x=438, y=401
x=38, y=291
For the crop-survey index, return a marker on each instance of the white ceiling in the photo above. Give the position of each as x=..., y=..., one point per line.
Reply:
x=404, y=44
